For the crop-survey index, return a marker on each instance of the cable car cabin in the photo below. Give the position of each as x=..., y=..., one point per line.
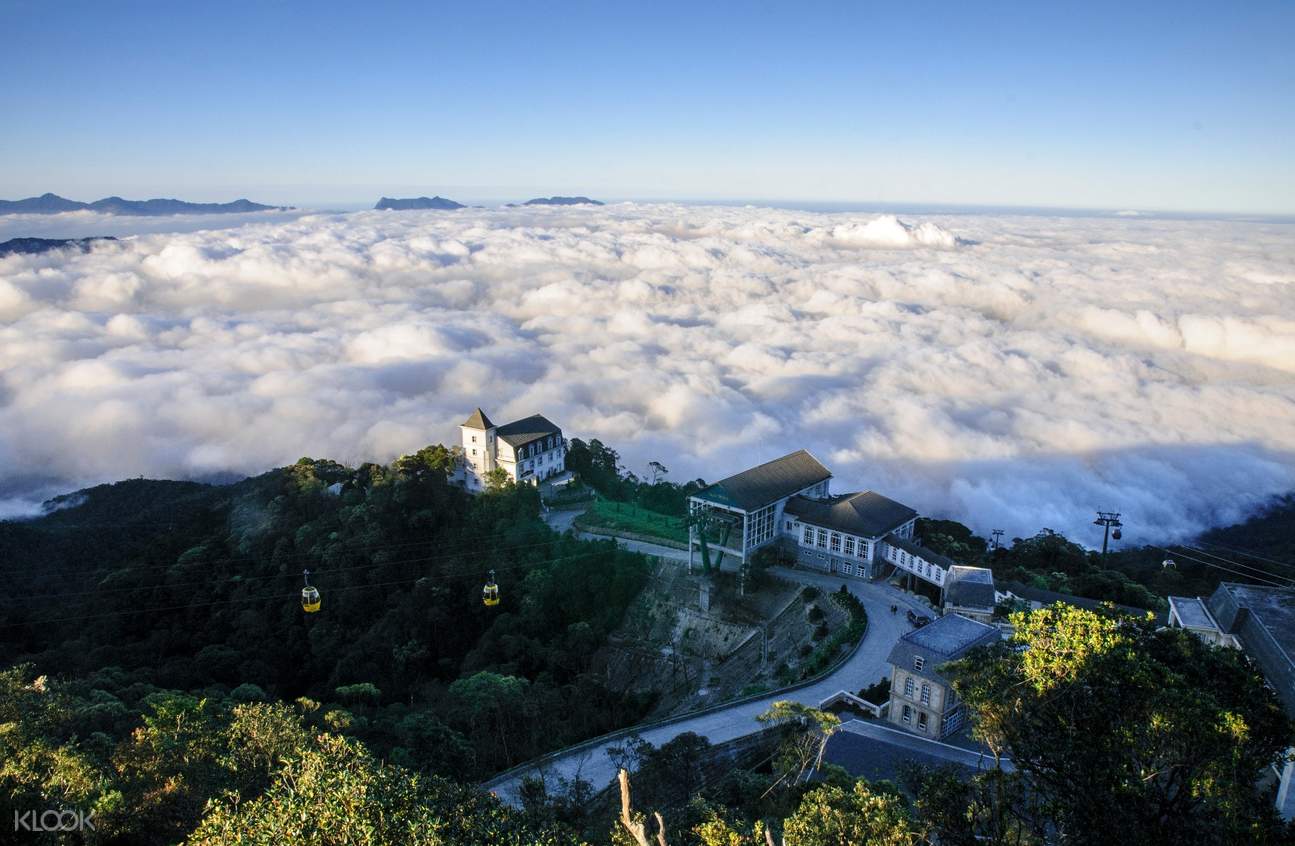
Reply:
x=490, y=593
x=309, y=600
x=1116, y=535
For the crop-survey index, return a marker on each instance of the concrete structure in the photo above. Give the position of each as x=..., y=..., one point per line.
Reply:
x=788, y=502
x=528, y=450
x=969, y=591
x=1261, y=622
x=1191, y=613
x=921, y=699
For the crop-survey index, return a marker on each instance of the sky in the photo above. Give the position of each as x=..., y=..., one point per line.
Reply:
x=1174, y=106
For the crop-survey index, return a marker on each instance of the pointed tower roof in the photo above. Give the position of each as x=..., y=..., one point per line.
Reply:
x=478, y=420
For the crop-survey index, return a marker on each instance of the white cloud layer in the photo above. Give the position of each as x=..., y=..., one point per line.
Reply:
x=1010, y=372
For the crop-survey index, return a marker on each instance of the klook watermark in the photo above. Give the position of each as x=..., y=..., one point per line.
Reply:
x=54, y=819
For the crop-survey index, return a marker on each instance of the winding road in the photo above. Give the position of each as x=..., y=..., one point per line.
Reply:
x=865, y=666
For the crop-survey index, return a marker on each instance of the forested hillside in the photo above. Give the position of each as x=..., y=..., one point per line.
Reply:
x=144, y=586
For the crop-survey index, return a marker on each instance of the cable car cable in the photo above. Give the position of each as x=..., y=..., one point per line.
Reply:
x=474, y=574
x=1219, y=567
x=1259, y=570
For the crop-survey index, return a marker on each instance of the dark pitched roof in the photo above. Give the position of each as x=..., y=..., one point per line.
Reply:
x=755, y=488
x=947, y=639
x=920, y=551
x=867, y=514
x=478, y=420
x=970, y=587
x=521, y=432
x=1263, y=619
x=877, y=759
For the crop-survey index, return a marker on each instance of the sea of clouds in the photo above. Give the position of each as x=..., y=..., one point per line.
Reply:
x=1011, y=372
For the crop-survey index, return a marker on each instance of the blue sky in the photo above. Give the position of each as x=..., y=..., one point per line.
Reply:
x=1174, y=106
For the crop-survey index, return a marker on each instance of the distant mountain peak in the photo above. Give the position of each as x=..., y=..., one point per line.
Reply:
x=412, y=203
x=562, y=201
x=50, y=203
x=33, y=246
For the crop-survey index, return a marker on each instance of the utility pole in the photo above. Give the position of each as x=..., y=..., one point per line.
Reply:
x=1110, y=520
x=998, y=536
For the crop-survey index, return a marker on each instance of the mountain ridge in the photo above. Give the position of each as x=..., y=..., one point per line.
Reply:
x=416, y=203
x=49, y=203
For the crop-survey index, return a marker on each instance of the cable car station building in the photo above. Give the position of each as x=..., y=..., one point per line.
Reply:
x=788, y=501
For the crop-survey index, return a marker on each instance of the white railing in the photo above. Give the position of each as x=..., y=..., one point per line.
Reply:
x=845, y=697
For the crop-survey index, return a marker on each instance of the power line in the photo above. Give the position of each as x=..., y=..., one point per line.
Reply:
x=1239, y=551
x=72, y=568
x=1242, y=565
x=1220, y=567
x=371, y=565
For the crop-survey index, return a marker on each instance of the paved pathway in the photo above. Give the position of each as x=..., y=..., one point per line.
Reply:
x=866, y=666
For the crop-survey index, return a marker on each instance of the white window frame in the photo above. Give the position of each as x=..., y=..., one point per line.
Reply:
x=918, y=662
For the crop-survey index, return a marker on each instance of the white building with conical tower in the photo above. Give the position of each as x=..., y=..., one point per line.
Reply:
x=528, y=450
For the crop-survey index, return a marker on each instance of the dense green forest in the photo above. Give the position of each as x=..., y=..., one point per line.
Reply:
x=1118, y=733
x=188, y=587
x=163, y=676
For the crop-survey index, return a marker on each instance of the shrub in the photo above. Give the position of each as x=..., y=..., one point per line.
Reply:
x=248, y=692
x=815, y=614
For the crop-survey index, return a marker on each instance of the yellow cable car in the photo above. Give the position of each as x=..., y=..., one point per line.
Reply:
x=309, y=596
x=490, y=593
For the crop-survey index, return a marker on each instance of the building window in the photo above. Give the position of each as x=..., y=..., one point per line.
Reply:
x=921, y=720
x=908, y=714
x=836, y=542
x=849, y=546
x=808, y=536
x=926, y=694
x=474, y=452
x=908, y=686
x=863, y=549
x=918, y=662
x=474, y=439
x=822, y=538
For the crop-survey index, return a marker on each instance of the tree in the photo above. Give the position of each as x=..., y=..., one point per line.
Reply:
x=1099, y=711
x=809, y=729
x=336, y=793
x=498, y=480
x=835, y=816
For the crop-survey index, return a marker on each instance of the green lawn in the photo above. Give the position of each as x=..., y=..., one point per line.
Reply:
x=628, y=517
